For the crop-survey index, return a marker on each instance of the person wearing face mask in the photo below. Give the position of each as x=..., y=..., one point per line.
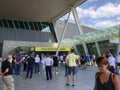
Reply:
x=7, y=74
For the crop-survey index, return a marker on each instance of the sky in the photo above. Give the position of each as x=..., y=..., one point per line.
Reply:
x=99, y=14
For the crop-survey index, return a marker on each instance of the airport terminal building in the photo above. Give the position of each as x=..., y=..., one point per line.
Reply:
x=15, y=34
x=31, y=23
x=36, y=24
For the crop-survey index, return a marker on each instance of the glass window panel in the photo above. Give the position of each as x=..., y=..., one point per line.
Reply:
x=31, y=25
x=39, y=25
x=44, y=24
x=10, y=24
x=1, y=24
x=26, y=25
x=21, y=25
x=5, y=23
x=16, y=24
x=35, y=25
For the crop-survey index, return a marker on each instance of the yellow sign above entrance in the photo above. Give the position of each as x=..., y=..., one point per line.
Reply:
x=51, y=49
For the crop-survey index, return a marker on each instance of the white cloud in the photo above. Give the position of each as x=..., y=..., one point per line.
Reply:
x=71, y=18
x=107, y=23
x=118, y=18
x=105, y=11
x=102, y=13
x=92, y=0
x=66, y=16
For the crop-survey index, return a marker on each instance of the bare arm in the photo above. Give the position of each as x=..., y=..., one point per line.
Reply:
x=14, y=61
x=79, y=61
x=66, y=61
x=116, y=83
x=95, y=85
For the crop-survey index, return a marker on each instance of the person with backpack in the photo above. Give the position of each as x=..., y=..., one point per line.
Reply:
x=104, y=79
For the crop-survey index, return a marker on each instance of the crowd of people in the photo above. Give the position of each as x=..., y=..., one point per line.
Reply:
x=12, y=65
x=107, y=65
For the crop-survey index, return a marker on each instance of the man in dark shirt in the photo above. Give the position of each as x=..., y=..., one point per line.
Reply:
x=30, y=66
x=7, y=74
x=55, y=64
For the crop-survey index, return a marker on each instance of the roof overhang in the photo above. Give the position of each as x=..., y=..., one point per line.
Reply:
x=36, y=10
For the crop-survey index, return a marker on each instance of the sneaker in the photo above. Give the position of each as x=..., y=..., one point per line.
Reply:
x=67, y=84
x=73, y=85
x=56, y=72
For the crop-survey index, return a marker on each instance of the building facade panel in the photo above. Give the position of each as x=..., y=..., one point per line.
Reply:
x=25, y=35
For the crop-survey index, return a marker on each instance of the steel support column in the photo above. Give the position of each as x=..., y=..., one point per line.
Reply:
x=98, y=50
x=118, y=45
x=79, y=27
x=63, y=33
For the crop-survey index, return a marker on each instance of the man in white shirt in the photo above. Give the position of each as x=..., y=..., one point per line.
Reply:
x=48, y=64
x=111, y=61
x=118, y=63
x=37, y=64
x=61, y=59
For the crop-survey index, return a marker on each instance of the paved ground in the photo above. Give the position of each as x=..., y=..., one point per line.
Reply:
x=85, y=81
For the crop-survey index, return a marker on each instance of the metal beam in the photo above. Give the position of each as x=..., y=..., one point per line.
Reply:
x=98, y=50
x=79, y=27
x=63, y=33
x=118, y=45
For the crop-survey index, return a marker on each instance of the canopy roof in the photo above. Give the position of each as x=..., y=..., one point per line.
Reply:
x=36, y=10
x=98, y=35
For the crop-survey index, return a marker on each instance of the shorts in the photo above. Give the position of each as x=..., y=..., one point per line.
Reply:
x=72, y=70
x=94, y=60
x=82, y=62
x=118, y=64
x=55, y=64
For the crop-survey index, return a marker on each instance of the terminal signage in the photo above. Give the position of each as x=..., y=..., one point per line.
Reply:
x=51, y=49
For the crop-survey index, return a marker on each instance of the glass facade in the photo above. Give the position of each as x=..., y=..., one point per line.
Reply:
x=38, y=26
x=80, y=49
x=104, y=46
x=27, y=25
x=92, y=48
